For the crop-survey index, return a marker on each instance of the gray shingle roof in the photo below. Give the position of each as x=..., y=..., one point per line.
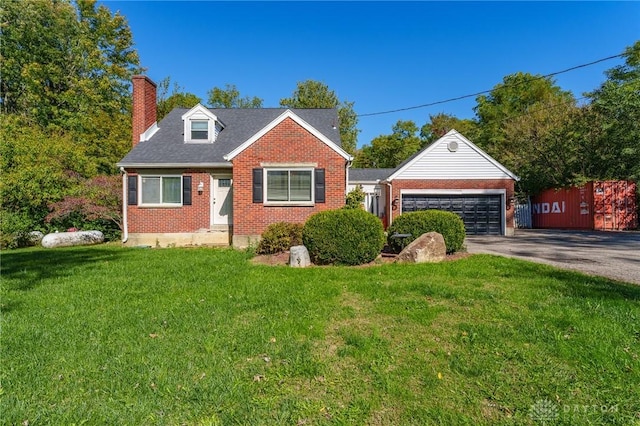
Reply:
x=369, y=175
x=167, y=145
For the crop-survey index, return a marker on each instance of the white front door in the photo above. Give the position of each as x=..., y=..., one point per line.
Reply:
x=221, y=200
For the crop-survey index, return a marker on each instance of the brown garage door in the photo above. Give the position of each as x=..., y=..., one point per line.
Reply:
x=481, y=214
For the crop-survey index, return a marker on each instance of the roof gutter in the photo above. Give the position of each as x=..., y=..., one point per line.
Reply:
x=174, y=165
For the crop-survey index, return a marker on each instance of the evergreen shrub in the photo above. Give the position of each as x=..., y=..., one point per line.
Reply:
x=344, y=237
x=448, y=224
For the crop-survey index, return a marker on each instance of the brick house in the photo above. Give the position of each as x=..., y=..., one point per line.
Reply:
x=221, y=176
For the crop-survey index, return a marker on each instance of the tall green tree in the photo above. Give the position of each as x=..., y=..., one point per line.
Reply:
x=229, y=97
x=388, y=151
x=38, y=167
x=439, y=124
x=177, y=98
x=63, y=60
x=315, y=94
x=614, y=121
x=550, y=147
x=518, y=94
x=67, y=67
x=65, y=102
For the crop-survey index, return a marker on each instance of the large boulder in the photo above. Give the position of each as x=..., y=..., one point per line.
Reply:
x=299, y=257
x=429, y=247
x=67, y=239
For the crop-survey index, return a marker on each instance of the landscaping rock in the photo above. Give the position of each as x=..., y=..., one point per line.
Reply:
x=299, y=257
x=35, y=237
x=429, y=247
x=67, y=239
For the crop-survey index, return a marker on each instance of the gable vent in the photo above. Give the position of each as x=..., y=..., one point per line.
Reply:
x=452, y=146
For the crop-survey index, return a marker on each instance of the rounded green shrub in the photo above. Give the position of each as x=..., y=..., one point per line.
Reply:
x=448, y=224
x=279, y=237
x=344, y=236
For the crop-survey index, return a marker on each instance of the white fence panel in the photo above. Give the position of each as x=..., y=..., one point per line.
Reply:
x=523, y=215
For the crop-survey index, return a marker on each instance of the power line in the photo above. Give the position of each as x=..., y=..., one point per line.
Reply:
x=488, y=91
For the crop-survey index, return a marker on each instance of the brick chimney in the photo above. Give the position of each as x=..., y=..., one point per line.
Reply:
x=144, y=106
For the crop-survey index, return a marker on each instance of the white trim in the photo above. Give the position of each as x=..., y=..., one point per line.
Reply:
x=288, y=114
x=213, y=177
x=454, y=191
x=161, y=204
x=366, y=182
x=149, y=132
x=471, y=145
x=289, y=165
x=501, y=192
x=174, y=165
x=125, y=205
x=211, y=196
x=265, y=185
x=200, y=113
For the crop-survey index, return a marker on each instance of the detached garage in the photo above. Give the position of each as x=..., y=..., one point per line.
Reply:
x=451, y=174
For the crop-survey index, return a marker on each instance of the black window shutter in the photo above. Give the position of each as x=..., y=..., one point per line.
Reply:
x=132, y=190
x=186, y=190
x=257, y=185
x=319, y=183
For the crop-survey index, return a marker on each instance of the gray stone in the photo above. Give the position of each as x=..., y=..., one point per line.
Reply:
x=35, y=237
x=67, y=239
x=429, y=247
x=299, y=257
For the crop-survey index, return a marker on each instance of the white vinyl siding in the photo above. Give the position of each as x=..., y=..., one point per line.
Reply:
x=160, y=190
x=439, y=162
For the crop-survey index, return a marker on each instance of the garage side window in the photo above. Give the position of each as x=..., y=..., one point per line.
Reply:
x=161, y=190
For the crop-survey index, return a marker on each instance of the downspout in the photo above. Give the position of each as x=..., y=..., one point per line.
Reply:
x=125, y=228
x=390, y=200
x=346, y=178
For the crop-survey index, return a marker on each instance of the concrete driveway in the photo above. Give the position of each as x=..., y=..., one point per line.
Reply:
x=613, y=255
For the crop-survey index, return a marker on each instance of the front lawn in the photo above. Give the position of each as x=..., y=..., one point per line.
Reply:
x=105, y=335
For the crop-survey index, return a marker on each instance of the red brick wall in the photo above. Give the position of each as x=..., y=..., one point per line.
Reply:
x=174, y=219
x=506, y=184
x=288, y=142
x=144, y=112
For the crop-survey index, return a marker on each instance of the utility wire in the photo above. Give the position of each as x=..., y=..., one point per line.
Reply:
x=543, y=108
x=490, y=90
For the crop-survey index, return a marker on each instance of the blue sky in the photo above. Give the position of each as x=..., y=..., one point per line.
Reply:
x=380, y=55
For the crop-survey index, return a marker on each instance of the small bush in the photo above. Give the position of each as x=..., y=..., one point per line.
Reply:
x=279, y=237
x=355, y=198
x=417, y=223
x=345, y=236
x=14, y=229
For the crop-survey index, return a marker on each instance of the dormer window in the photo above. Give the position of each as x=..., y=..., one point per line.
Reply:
x=199, y=130
x=201, y=125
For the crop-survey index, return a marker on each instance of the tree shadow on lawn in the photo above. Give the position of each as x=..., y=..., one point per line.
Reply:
x=577, y=284
x=25, y=269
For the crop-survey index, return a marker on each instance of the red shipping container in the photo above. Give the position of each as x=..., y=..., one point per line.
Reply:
x=599, y=205
x=614, y=205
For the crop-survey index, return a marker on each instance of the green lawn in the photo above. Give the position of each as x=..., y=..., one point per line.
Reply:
x=106, y=335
